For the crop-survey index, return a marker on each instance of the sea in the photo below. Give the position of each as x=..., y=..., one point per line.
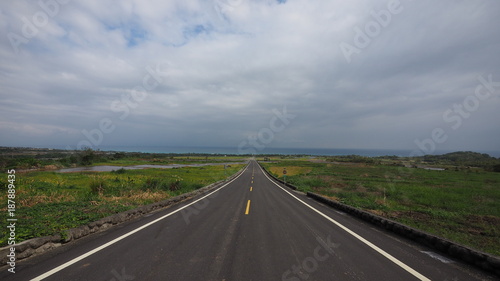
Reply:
x=274, y=151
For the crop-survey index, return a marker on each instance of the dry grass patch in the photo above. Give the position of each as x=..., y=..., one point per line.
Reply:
x=290, y=171
x=31, y=201
x=140, y=196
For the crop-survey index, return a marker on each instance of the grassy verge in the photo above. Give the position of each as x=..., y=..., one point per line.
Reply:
x=49, y=202
x=463, y=206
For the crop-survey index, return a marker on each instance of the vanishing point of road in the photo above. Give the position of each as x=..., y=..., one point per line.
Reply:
x=251, y=228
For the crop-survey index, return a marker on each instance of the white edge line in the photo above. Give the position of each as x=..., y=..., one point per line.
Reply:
x=368, y=243
x=79, y=258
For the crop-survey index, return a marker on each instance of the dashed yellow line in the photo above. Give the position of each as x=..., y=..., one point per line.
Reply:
x=250, y=188
x=248, y=208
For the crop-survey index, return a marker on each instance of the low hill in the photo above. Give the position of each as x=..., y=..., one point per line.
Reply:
x=464, y=158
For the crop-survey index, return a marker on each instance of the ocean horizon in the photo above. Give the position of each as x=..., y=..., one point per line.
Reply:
x=273, y=150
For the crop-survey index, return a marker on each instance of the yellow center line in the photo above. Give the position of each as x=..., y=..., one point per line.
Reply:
x=250, y=188
x=248, y=208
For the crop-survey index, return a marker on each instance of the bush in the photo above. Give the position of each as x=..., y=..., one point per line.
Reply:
x=119, y=171
x=87, y=156
x=97, y=185
x=496, y=168
x=174, y=185
x=152, y=184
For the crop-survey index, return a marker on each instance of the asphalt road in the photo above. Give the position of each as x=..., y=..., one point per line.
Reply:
x=249, y=229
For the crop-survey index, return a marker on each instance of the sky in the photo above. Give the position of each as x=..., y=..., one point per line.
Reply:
x=417, y=75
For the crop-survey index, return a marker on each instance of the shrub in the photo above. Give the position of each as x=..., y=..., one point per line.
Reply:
x=97, y=185
x=119, y=171
x=87, y=156
x=174, y=185
x=496, y=168
x=152, y=184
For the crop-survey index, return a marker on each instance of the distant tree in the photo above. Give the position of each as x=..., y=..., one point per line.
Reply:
x=73, y=159
x=496, y=168
x=3, y=162
x=87, y=156
x=119, y=155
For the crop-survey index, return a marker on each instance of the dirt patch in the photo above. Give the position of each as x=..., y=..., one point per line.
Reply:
x=327, y=179
x=50, y=167
x=482, y=225
x=414, y=215
x=392, y=177
x=378, y=212
x=334, y=184
x=333, y=198
x=317, y=160
x=360, y=188
x=492, y=220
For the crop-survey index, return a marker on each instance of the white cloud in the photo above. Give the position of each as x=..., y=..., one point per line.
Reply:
x=227, y=64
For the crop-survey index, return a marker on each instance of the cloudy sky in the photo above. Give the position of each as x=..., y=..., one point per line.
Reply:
x=261, y=73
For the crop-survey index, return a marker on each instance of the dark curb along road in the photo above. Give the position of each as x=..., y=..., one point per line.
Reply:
x=251, y=228
x=480, y=259
x=40, y=245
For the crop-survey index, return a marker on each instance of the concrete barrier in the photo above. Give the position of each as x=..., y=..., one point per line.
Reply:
x=40, y=245
x=471, y=256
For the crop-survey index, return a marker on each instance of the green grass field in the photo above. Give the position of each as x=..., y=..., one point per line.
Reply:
x=49, y=202
x=130, y=161
x=463, y=206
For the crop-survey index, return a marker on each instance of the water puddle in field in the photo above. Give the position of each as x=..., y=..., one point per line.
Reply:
x=433, y=169
x=114, y=168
